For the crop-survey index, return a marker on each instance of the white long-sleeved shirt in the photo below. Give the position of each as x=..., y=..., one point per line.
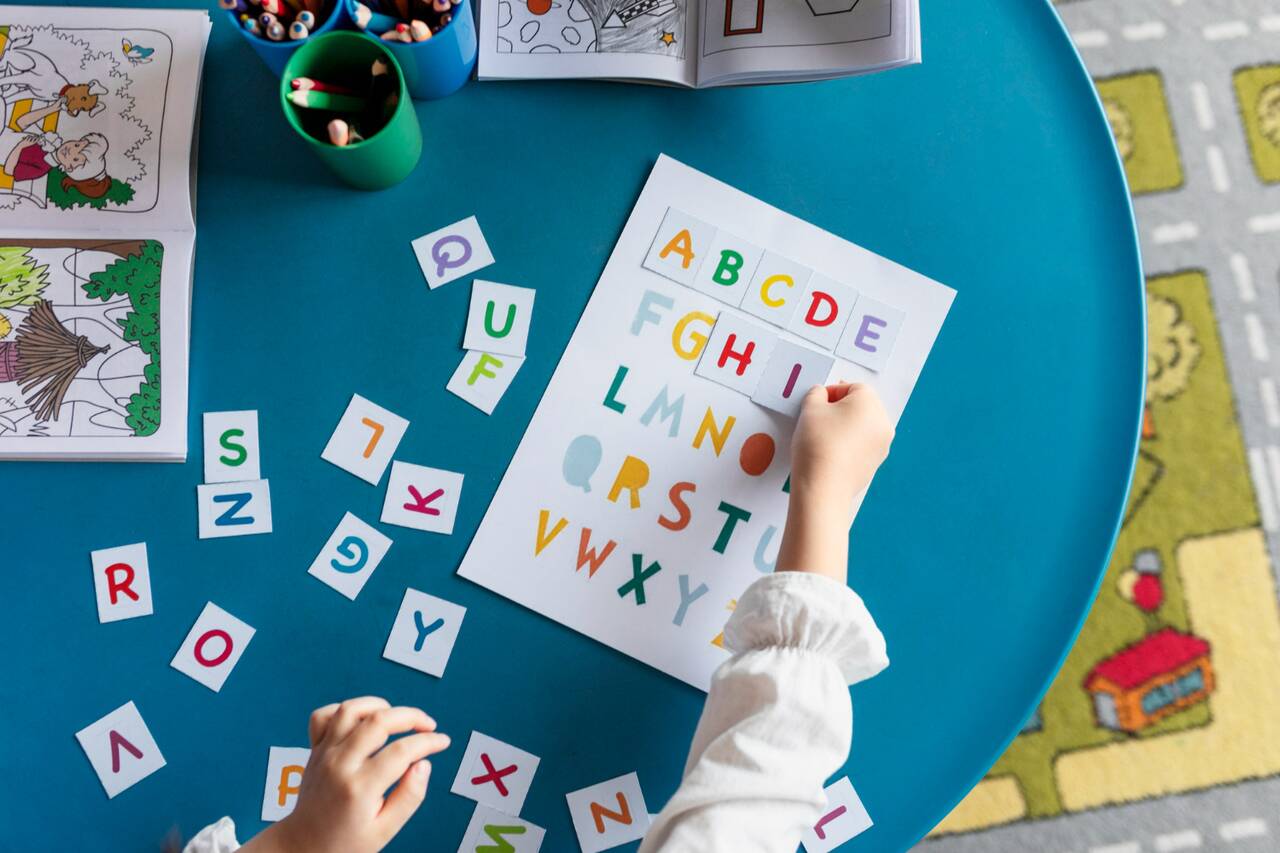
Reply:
x=777, y=723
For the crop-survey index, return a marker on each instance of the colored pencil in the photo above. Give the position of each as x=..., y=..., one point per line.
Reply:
x=298, y=31
x=327, y=101
x=307, y=84
x=275, y=32
x=367, y=19
x=342, y=133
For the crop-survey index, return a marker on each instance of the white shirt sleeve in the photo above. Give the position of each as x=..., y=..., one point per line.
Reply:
x=777, y=722
x=219, y=837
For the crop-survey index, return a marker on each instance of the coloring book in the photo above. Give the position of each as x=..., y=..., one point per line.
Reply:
x=696, y=43
x=651, y=486
x=97, y=230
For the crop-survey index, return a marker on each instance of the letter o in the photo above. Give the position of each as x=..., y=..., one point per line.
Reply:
x=222, y=656
x=757, y=454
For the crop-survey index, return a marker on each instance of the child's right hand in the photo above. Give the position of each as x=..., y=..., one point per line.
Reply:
x=341, y=805
x=841, y=438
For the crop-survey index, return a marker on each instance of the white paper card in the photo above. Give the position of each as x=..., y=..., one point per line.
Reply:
x=730, y=264
x=680, y=246
x=491, y=831
x=424, y=632
x=213, y=647
x=285, y=766
x=792, y=370
x=842, y=819
x=121, y=749
x=609, y=813
x=737, y=353
x=121, y=582
x=349, y=557
x=452, y=252
x=365, y=440
x=498, y=319
x=422, y=498
x=494, y=773
x=231, y=447
x=824, y=311
x=869, y=337
x=483, y=377
x=233, y=509
x=625, y=415
x=778, y=286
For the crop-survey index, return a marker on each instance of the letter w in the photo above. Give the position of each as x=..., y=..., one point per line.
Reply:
x=588, y=555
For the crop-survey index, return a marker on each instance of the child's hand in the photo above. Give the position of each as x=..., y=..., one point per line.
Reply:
x=840, y=440
x=842, y=437
x=341, y=807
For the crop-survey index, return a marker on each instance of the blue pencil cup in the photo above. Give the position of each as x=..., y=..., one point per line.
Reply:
x=442, y=64
x=276, y=53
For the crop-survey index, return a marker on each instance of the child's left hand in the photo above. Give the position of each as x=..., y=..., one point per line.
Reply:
x=341, y=805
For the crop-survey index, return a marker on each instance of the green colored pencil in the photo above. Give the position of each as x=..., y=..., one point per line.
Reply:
x=313, y=100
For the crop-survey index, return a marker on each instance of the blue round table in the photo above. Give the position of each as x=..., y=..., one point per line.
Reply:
x=988, y=167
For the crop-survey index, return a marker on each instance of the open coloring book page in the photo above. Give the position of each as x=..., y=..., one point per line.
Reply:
x=98, y=116
x=96, y=230
x=802, y=39
x=651, y=486
x=89, y=331
x=642, y=39
x=695, y=42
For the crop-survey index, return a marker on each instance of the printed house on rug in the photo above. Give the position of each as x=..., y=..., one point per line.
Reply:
x=1143, y=683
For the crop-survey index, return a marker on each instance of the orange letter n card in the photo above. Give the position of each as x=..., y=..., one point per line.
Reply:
x=609, y=813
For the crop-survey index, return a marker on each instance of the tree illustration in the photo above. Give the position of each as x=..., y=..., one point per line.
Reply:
x=21, y=279
x=1172, y=353
x=1268, y=107
x=138, y=278
x=1121, y=126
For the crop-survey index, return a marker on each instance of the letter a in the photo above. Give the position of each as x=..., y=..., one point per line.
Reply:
x=682, y=245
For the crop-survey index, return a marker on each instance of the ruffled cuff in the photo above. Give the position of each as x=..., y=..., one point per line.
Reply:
x=215, y=838
x=800, y=610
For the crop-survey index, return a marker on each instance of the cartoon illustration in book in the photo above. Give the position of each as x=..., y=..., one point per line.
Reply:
x=136, y=53
x=69, y=140
x=79, y=337
x=591, y=26
x=28, y=73
x=738, y=24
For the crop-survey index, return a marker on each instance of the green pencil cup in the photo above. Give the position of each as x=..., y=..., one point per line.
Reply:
x=387, y=155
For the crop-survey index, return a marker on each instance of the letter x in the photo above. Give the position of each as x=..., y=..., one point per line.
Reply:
x=494, y=775
x=638, y=576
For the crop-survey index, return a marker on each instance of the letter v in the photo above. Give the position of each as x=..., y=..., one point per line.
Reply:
x=544, y=539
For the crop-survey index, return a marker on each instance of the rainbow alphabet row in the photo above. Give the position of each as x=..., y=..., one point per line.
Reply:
x=776, y=289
